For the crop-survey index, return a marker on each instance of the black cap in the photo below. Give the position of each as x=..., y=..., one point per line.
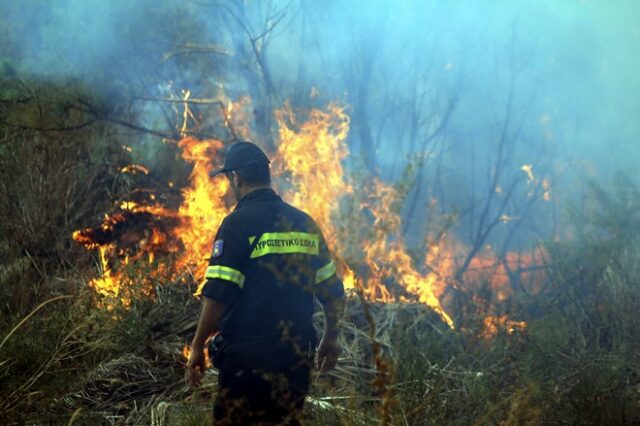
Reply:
x=241, y=154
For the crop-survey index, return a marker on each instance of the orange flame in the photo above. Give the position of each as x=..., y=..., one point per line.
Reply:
x=203, y=206
x=492, y=325
x=388, y=261
x=197, y=219
x=107, y=284
x=362, y=226
x=186, y=353
x=311, y=155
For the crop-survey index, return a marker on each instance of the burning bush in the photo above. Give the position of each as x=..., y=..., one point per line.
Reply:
x=423, y=344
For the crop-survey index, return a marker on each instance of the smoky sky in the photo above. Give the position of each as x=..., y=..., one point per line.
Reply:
x=578, y=57
x=563, y=73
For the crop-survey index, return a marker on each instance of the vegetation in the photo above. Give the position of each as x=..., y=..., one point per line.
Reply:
x=69, y=356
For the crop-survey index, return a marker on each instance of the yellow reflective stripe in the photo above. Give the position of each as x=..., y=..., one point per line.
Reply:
x=285, y=243
x=326, y=272
x=225, y=273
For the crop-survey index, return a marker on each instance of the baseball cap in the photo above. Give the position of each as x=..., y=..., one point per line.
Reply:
x=241, y=154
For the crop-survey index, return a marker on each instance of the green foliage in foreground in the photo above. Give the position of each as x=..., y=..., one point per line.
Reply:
x=576, y=363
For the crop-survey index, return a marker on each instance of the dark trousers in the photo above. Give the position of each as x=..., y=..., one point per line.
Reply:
x=262, y=385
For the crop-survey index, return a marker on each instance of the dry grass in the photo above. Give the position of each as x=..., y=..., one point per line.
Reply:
x=403, y=353
x=88, y=361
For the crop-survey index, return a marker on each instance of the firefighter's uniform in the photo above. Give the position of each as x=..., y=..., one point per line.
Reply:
x=268, y=262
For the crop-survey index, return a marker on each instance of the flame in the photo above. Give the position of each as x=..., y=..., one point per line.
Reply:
x=492, y=324
x=312, y=158
x=203, y=206
x=190, y=235
x=107, y=284
x=360, y=217
x=310, y=154
x=186, y=353
x=486, y=267
x=387, y=259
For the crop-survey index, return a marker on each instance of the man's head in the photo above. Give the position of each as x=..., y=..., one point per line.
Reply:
x=247, y=168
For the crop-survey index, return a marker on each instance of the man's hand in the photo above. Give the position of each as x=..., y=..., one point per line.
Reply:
x=212, y=312
x=327, y=355
x=195, y=367
x=329, y=350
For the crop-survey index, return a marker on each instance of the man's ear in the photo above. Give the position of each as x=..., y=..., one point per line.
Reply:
x=238, y=181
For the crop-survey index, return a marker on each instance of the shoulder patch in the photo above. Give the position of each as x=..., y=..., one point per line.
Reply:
x=217, y=248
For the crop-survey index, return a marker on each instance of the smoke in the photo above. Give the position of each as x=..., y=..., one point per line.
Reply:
x=572, y=63
x=68, y=38
x=447, y=80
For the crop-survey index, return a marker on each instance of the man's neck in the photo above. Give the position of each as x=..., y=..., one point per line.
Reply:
x=249, y=190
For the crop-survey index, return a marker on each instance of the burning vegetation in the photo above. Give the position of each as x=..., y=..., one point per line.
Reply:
x=490, y=255
x=360, y=216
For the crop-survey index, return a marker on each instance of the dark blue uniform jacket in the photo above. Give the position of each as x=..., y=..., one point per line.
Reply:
x=269, y=261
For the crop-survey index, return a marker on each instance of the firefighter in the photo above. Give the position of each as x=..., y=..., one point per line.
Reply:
x=269, y=261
